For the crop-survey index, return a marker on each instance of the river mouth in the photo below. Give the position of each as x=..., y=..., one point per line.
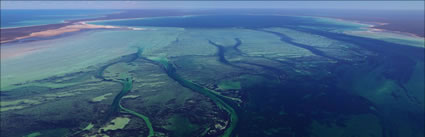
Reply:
x=279, y=76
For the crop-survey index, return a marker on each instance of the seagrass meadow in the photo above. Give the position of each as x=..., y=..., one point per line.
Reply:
x=215, y=75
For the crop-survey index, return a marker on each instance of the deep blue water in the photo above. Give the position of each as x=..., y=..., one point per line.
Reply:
x=260, y=111
x=20, y=18
x=326, y=101
x=226, y=21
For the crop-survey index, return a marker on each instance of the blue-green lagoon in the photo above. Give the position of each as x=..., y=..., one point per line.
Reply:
x=11, y=18
x=216, y=75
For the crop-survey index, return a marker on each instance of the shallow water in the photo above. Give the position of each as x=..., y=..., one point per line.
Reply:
x=296, y=76
x=21, y=18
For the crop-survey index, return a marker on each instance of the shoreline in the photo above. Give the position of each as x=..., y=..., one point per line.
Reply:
x=66, y=28
x=49, y=30
x=374, y=26
x=5, y=28
x=19, y=33
x=85, y=17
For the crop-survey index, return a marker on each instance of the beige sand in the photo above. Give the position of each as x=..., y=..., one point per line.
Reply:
x=70, y=28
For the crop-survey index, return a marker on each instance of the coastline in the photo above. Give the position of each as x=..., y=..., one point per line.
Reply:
x=374, y=30
x=8, y=35
x=49, y=30
x=69, y=20
x=66, y=28
x=38, y=25
x=19, y=33
x=377, y=27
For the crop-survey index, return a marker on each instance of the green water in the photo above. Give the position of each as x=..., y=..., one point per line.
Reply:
x=313, y=79
x=127, y=85
x=171, y=71
x=146, y=119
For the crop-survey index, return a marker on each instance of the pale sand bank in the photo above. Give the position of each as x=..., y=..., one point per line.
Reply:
x=78, y=26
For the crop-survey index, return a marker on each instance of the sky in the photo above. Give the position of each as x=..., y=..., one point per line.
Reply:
x=395, y=5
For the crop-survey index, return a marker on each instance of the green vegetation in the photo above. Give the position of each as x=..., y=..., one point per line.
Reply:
x=171, y=71
x=89, y=126
x=227, y=84
x=35, y=134
x=181, y=126
x=280, y=81
x=127, y=84
x=117, y=123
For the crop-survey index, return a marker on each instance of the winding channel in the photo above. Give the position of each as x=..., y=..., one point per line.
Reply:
x=289, y=40
x=127, y=84
x=222, y=49
x=171, y=72
x=169, y=68
x=398, y=59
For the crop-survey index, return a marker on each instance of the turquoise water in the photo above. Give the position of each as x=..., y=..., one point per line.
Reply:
x=21, y=18
x=336, y=85
x=391, y=67
x=229, y=21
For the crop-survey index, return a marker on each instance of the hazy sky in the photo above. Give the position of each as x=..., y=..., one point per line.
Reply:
x=399, y=5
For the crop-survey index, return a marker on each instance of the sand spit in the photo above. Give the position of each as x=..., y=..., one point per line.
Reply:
x=74, y=27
